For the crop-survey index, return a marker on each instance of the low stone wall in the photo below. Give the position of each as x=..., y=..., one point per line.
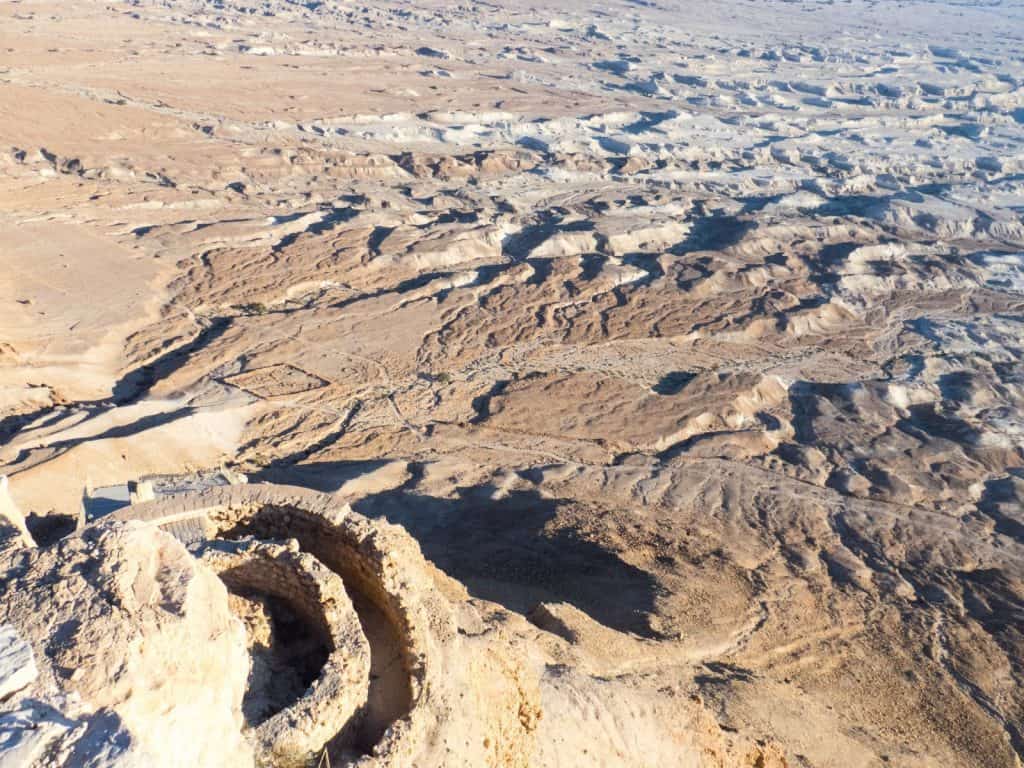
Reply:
x=332, y=706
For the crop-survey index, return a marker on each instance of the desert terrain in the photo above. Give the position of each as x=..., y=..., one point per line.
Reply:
x=668, y=354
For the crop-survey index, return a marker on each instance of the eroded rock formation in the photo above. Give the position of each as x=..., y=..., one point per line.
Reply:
x=140, y=662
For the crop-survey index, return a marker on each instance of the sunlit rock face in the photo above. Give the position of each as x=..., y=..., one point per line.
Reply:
x=137, y=656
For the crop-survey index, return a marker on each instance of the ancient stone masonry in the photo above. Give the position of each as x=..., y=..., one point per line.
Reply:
x=336, y=701
x=330, y=549
x=327, y=636
x=299, y=632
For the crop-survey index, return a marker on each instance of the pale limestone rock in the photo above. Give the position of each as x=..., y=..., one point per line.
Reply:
x=27, y=737
x=136, y=646
x=13, y=533
x=37, y=735
x=17, y=665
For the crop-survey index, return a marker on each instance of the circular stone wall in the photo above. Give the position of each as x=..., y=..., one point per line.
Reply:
x=333, y=705
x=362, y=584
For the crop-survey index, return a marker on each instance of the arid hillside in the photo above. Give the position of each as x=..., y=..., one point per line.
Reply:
x=683, y=339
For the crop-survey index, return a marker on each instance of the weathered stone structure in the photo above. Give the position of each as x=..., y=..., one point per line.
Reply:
x=295, y=631
x=336, y=701
x=383, y=570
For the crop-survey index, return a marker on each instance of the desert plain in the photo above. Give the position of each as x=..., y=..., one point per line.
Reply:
x=655, y=364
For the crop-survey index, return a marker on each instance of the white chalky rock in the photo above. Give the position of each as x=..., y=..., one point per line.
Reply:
x=17, y=664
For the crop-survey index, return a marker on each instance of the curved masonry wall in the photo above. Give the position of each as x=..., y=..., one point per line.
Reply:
x=331, y=708
x=373, y=560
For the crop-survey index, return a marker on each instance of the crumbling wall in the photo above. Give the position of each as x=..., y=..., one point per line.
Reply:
x=331, y=708
x=377, y=563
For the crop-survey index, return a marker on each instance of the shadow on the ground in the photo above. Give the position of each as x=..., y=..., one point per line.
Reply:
x=518, y=550
x=513, y=551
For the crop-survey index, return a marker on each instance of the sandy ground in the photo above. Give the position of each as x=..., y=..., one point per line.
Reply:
x=702, y=318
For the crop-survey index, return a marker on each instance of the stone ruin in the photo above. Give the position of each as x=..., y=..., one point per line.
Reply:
x=309, y=579
x=330, y=548
x=337, y=698
x=293, y=632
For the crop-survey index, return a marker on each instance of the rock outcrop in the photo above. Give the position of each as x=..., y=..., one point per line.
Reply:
x=140, y=659
x=13, y=531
